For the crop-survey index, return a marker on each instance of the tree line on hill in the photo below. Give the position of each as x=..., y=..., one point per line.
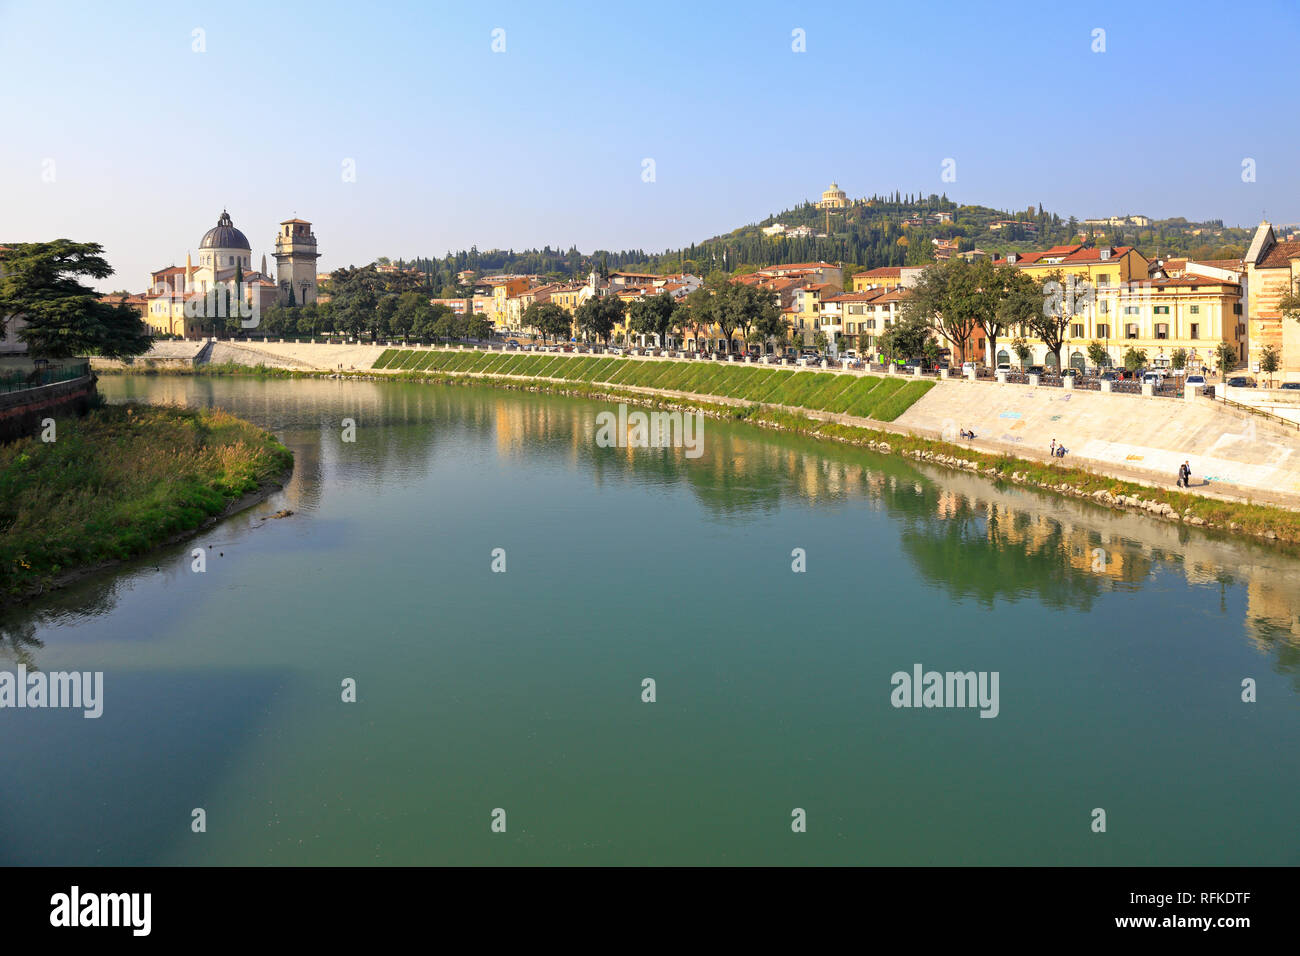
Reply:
x=867, y=234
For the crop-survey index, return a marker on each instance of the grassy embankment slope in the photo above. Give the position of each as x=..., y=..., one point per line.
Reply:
x=122, y=480
x=866, y=396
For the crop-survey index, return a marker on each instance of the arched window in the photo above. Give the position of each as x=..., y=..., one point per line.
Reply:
x=1077, y=361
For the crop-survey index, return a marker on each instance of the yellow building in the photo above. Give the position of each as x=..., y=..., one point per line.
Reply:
x=886, y=277
x=806, y=316
x=502, y=290
x=1272, y=269
x=833, y=198
x=1117, y=304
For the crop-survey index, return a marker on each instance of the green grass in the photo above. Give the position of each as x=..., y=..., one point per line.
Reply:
x=120, y=481
x=868, y=396
x=900, y=401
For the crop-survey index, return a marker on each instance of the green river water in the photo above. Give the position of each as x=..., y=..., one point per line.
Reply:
x=1120, y=644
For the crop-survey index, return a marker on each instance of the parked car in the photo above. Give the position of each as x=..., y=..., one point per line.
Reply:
x=1004, y=366
x=1035, y=370
x=1196, y=380
x=1241, y=381
x=968, y=367
x=614, y=350
x=1290, y=386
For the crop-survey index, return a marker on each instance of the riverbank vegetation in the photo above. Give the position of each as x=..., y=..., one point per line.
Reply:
x=122, y=480
x=883, y=398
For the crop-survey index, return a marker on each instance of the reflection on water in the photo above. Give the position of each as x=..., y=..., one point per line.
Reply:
x=970, y=536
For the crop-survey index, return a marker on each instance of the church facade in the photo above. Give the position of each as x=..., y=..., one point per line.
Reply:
x=223, y=292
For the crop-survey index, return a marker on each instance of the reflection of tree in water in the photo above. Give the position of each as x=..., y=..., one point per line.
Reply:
x=17, y=640
x=1279, y=642
x=977, y=551
x=90, y=597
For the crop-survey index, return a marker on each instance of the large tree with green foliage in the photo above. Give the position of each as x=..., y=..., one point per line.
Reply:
x=597, y=316
x=550, y=321
x=356, y=295
x=655, y=315
x=1045, y=309
x=906, y=338
x=65, y=318
x=943, y=299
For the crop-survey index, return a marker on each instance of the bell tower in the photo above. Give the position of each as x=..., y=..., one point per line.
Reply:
x=295, y=262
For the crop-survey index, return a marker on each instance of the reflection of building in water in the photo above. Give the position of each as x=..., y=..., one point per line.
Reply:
x=1272, y=604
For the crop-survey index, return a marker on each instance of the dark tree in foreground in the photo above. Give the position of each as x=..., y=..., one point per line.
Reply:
x=65, y=318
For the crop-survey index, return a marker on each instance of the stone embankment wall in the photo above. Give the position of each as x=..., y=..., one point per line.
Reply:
x=21, y=413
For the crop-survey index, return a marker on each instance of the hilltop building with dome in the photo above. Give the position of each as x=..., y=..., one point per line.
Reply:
x=833, y=198
x=226, y=261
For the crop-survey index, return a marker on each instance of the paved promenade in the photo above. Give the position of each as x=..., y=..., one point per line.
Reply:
x=1232, y=452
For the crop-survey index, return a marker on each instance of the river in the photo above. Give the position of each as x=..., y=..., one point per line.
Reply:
x=1119, y=643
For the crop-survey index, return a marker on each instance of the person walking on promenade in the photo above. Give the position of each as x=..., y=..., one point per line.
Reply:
x=1182, y=475
x=1052, y=451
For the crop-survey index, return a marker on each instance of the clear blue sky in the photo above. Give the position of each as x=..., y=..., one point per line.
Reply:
x=455, y=145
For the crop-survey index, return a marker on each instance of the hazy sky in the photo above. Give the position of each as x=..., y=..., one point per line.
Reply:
x=453, y=144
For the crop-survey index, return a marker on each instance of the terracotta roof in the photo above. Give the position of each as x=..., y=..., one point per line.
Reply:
x=1187, y=279
x=1281, y=255
x=1235, y=265
x=1062, y=250
x=884, y=272
x=800, y=265
x=1094, y=255
x=868, y=296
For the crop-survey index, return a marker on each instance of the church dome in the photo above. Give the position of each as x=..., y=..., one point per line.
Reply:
x=224, y=235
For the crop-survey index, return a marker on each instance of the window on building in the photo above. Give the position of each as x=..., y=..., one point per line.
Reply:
x=1130, y=310
x=1103, y=280
x=1161, y=310
x=1076, y=330
x=1196, y=330
x=1130, y=331
x=1104, y=307
x=1236, y=308
x=870, y=324
x=1103, y=331
x=1194, y=310
x=1162, y=330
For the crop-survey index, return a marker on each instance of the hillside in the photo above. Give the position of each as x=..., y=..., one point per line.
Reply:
x=888, y=230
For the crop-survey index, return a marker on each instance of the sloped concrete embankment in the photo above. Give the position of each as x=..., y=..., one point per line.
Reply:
x=292, y=355
x=1118, y=434
x=167, y=354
